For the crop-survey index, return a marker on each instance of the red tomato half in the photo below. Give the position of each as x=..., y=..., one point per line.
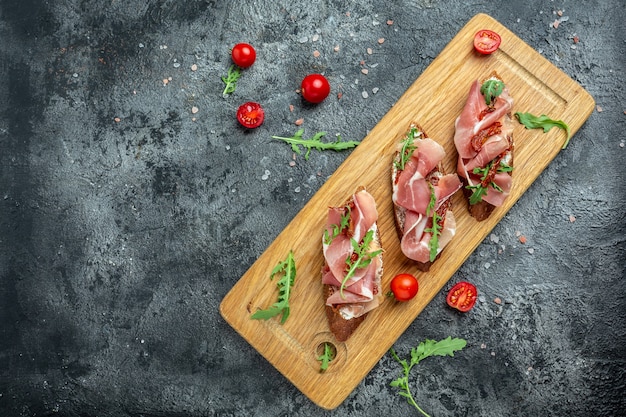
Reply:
x=250, y=114
x=404, y=287
x=462, y=296
x=315, y=88
x=243, y=55
x=486, y=41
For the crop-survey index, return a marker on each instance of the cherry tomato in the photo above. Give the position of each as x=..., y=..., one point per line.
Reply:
x=462, y=296
x=243, y=55
x=250, y=114
x=404, y=287
x=486, y=41
x=315, y=88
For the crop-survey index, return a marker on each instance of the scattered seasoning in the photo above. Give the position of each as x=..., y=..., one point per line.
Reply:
x=194, y=67
x=336, y=48
x=339, y=95
x=389, y=22
x=316, y=53
x=292, y=163
x=497, y=300
x=364, y=94
x=299, y=121
x=531, y=250
x=315, y=37
x=291, y=107
x=370, y=51
x=375, y=90
x=572, y=218
x=194, y=110
x=365, y=71
x=381, y=41
x=522, y=239
x=599, y=109
x=117, y=120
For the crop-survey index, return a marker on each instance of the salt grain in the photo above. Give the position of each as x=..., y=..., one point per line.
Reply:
x=336, y=48
x=531, y=250
x=365, y=71
x=266, y=175
x=303, y=39
x=315, y=37
x=194, y=67
x=297, y=189
x=370, y=51
x=364, y=94
x=194, y=110
x=375, y=90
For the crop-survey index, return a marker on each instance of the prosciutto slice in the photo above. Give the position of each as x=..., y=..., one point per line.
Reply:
x=483, y=135
x=361, y=291
x=413, y=187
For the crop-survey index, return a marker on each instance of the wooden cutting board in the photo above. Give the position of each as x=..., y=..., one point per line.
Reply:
x=434, y=101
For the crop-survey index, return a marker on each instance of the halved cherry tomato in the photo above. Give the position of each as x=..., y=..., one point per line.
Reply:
x=315, y=88
x=462, y=296
x=243, y=55
x=250, y=114
x=486, y=41
x=404, y=287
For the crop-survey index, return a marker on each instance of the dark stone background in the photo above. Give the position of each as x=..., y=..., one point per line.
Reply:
x=119, y=239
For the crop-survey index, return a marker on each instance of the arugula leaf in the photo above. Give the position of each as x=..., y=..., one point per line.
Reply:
x=491, y=89
x=479, y=189
x=338, y=228
x=315, y=143
x=363, y=257
x=231, y=79
x=531, y=121
x=408, y=147
x=288, y=269
x=425, y=349
x=326, y=357
x=433, y=243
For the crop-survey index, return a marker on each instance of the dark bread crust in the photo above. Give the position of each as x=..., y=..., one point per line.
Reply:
x=341, y=328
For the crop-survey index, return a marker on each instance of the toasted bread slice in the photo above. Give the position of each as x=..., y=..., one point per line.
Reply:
x=341, y=321
x=399, y=211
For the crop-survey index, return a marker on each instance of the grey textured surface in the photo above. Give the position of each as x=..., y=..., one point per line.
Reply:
x=118, y=239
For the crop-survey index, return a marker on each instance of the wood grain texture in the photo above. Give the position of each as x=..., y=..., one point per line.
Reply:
x=434, y=101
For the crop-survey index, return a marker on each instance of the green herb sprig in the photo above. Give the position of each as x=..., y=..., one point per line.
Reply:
x=363, y=257
x=338, y=228
x=326, y=357
x=491, y=89
x=445, y=347
x=408, y=147
x=288, y=270
x=435, y=230
x=480, y=190
x=315, y=143
x=531, y=121
x=234, y=72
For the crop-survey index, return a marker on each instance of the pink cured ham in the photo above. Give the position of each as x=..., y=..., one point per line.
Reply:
x=413, y=187
x=484, y=134
x=362, y=291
